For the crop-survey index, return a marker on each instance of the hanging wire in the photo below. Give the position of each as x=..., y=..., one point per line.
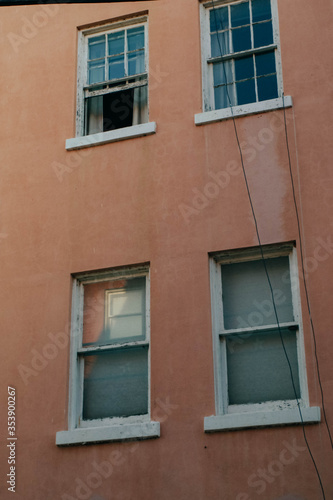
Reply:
x=303, y=272
x=262, y=254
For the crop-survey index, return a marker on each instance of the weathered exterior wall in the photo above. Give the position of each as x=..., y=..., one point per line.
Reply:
x=124, y=203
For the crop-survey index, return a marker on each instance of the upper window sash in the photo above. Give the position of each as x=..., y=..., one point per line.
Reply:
x=121, y=57
x=220, y=90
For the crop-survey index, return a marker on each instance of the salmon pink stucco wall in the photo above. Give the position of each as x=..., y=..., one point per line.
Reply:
x=169, y=199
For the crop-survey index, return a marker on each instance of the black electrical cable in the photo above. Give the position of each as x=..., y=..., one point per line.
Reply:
x=262, y=254
x=303, y=272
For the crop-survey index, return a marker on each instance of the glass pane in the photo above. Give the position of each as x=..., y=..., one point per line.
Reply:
x=136, y=63
x=96, y=47
x=219, y=19
x=241, y=39
x=240, y=14
x=262, y=34
x=244, y=68
x=220, y=44
x=136, y=38
x=126, y=328
x=265, y=63
x=222, y=73
x=96, y=71
x=116, y=67
x=267, y=88
x=258, y=370
x=224, y=96
x=246, y=92
x=114, y=311
x=261, y=10
x=246, y=293
x=126, y=302
x=116, y=43
x=116, y=383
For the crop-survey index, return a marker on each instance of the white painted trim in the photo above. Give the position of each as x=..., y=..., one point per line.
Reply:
x=113, y=433
x=246, y=109
x=120, y=134
x=261, y=419
x=108, y=429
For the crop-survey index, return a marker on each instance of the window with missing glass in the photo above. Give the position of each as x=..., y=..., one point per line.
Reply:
x=259, y=362
x=113, y=77
x=241, y=59
x=109, y=371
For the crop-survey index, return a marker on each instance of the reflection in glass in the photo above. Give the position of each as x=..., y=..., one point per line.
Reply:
x=96, y=47
x=136, y=38
x=116, y=43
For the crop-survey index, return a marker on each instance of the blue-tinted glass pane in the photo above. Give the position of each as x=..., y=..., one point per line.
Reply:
x=224, y=96
x=241, y=39
x=267, y=88
x=261, y=10
x=222, y=73
x=96, y=47
x=220, y=44
x=244, y=68
x=219, y=19
x=116, y=43
x=136, y=38
x=263, y=34
x=245, y=92
x=136, y=63
x=265, y=63
x=240, y=14
x=96, y=71
x=116, y=67
x=115, y=383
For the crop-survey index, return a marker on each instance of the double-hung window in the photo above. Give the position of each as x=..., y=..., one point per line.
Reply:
x=109, y=386
x=112, y=93
x=240, y=57
x=260, y=376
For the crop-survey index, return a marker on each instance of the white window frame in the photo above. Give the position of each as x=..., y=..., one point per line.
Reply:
x=210, y=114
x=81, y=140
x=267, y=413
x=105, y=429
